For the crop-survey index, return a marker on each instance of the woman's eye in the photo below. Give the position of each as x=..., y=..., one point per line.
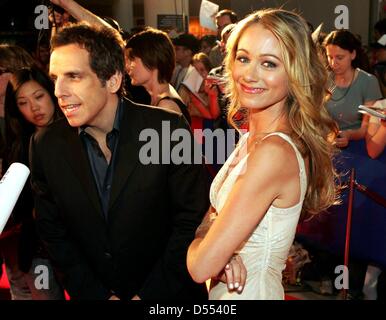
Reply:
x=39, y=96
x=21, y=103
x=269, y=64
x=242, y=59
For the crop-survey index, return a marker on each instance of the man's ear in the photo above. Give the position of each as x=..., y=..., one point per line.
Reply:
x=114, y=83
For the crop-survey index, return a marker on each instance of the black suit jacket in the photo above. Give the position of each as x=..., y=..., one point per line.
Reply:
x=153, y=213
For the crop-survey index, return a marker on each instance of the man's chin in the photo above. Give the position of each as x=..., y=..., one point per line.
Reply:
x=74, y=123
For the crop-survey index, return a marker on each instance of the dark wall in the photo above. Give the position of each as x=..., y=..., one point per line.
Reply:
x=17, y=15
x=17, y=23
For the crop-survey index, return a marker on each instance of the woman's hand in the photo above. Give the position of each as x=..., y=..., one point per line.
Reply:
x=59, y=19
x=210, y=86
x=234, y=274
x=343, y=139
x=383, y=122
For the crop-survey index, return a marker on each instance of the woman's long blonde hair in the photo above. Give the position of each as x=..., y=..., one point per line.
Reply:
x=313, y=130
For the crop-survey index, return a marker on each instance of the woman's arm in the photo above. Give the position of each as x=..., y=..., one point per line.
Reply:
x=271, y=171
x=195, y=103
x=80, y=13
x=376, y=139
x=212, y=91
x=344, y=137
x=187, y=98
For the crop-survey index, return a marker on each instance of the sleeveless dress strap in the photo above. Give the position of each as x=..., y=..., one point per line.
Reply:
x=181, y=106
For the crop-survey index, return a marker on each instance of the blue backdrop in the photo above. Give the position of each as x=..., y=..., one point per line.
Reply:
x=368, y=233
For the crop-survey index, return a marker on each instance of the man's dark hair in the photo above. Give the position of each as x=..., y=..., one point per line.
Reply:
x=156, y=51
x=381, y=26
x=188, y=41
x=227, y=12
x=104, y=45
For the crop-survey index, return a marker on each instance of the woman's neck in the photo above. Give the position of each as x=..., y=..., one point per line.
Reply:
x=345, y=79
x=156, y=90
x=263, y=122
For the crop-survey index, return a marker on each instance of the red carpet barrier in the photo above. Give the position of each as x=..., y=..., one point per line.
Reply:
x=368, y=224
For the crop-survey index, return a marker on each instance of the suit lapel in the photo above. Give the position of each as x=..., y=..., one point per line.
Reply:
x=128, y=150
x=78, y=160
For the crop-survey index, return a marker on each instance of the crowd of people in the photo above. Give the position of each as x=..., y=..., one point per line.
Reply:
x=108, y=225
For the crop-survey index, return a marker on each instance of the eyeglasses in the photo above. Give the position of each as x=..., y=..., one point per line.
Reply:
x=2, y=71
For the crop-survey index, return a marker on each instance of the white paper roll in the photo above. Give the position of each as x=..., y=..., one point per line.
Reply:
x=11, y=186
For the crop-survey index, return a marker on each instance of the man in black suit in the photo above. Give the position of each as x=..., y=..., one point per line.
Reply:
x=115, y=227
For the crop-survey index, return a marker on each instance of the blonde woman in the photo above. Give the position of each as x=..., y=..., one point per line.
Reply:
x=274, y=173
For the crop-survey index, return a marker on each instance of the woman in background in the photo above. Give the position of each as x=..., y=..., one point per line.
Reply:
x=352, y=86
x=30, y=105
x=12, y=58
x=206, y=107
x=150, y=61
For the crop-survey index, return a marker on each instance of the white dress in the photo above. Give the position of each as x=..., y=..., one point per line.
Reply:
x=265, y=252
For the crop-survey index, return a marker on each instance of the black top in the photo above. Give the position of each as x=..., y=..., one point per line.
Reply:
x=101, y=169
x=167, y=202
x=181, y=105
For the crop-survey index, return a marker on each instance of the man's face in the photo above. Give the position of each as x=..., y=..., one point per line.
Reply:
x=81, y=94
x=182, y=54
x=221, y=23
x=380, y=55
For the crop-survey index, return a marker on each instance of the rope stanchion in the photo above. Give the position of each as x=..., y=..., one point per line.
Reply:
x=371, y=194
x=348, y=225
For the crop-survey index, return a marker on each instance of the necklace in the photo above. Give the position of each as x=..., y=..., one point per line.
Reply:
x=346, y=91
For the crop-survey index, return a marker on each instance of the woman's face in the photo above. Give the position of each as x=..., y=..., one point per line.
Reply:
x=138, y=72
x=205, y=47
x=339, y=59
x=258, y=72
x=35, y=104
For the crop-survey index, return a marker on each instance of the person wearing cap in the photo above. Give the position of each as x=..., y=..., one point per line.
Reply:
x=186, y=46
